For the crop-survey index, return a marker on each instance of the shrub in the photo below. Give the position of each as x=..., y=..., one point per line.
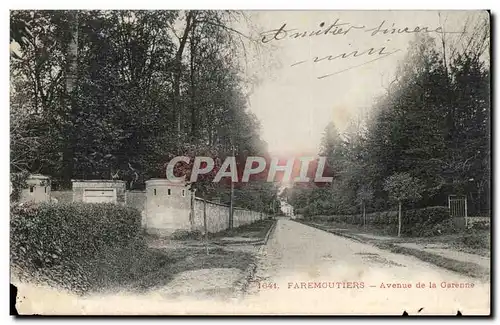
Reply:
x=18, y=182
x=382, y=218
x=476, y=240
x=419, y=222
x=481, y=225
x=445, y=227
x=299, y=211
x=57, y=240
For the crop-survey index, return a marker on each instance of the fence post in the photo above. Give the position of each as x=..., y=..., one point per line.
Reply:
x=231, y=207
x=205, y=224
x=364, y=215
x=466, y=219
x=191, y=217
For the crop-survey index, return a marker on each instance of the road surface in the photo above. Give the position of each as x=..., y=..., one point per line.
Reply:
x=304, y=269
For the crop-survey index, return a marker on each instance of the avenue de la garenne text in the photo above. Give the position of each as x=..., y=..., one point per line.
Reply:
x=253, y=165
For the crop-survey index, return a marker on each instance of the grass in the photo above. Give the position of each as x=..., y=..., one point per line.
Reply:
x=474, y=241
x=139, y=268
x=147, y=268
x=181, y=260
x=467, y=268
x=471, y=241
x=257, y=230
x=368, y=229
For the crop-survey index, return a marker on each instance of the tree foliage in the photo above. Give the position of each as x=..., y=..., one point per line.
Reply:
x=139, y=88
x=403, y=187
x=432, y=122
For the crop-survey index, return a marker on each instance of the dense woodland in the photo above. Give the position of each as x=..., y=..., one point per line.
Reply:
x=426, y=137
x=117, y=94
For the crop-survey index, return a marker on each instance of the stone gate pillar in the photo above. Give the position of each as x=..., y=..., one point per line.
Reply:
x=168, y=206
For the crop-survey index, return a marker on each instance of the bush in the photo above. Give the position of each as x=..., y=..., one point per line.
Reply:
x=59, y=240
x=476, y=241
x=421, y=222
x=18, y=182
x=300, y=211
x=445, y=227
x=418, y=222
x=316, y=208
x=481, y=225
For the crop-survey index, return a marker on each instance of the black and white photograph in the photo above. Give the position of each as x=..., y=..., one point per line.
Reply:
x=250, y=162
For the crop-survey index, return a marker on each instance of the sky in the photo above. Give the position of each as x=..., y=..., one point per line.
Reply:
x=293, y=104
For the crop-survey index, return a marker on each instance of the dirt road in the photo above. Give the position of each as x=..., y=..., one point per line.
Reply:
x=304, y=269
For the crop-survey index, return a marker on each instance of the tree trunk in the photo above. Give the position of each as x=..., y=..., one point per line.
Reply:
x=191, y=212
x=479, y=189
x=192, y=54
x=231, y=205
x=205, y=224
x=71, y=71
x=364, y=215
x=178, y=75
x=399, y=219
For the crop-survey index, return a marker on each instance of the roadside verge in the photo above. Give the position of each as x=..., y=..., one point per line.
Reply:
x=464, y=267
x=241, y=285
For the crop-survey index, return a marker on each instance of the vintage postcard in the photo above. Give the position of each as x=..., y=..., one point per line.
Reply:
x=225, y=162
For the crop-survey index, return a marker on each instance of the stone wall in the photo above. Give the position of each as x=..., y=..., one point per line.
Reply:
x=62, y=196
x=79, y=188
x=136, y=199
x=244, y=217
x=217, y=216
x=166, y=206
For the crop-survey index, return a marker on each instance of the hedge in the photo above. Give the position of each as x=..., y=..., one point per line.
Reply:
x=417, y=222
x=59, y=241
x=420, y=222
x=17, y=183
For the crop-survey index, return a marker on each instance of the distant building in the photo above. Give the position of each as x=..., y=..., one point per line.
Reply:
x=38, y=189
x=286, y=208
